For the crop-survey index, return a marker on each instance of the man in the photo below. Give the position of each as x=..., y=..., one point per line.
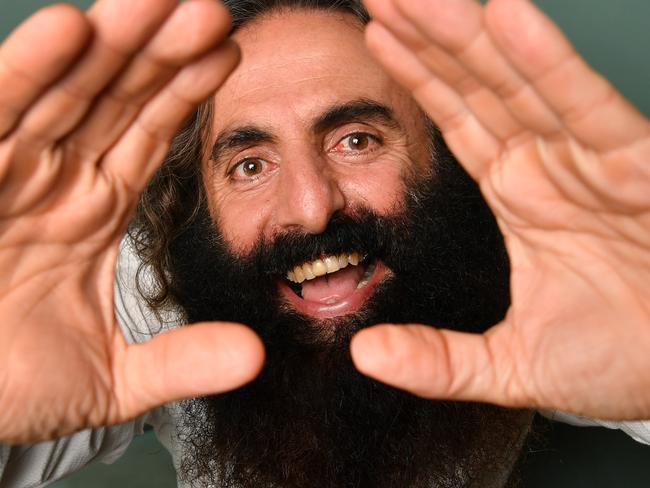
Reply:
x=308, y=180
x=289, y=179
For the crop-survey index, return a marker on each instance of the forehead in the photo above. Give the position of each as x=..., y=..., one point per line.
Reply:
x=300, y=62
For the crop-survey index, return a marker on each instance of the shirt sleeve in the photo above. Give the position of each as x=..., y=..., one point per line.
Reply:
x=138, y=322
x=639, y=430
x=36, y=465
x=4, y=458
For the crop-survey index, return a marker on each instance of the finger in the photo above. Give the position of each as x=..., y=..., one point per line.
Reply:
x=25, y=70
x=149, y=136
x=191, y=361
x=454, y=32
x=580, y=97
x=121, y=28
x=485, y=105
x=194, y=28
x=441, y=364
x=466, y=136
x=386, y=13
x=488, y=109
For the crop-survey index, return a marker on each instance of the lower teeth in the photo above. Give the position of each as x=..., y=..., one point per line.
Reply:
x=366, y=276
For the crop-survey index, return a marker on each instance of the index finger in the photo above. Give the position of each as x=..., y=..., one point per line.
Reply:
x=587, y=104
x=26, y=71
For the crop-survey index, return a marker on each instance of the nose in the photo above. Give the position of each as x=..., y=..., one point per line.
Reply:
x=308, y=195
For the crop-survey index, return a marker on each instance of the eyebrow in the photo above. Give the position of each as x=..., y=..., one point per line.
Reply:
x=361, y=110
x=238, y=139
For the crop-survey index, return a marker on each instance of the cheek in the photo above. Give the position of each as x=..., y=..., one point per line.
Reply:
x=240, y=226
x=379, y=186
x=241, y=218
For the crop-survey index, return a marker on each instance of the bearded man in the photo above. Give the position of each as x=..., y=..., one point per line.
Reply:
x=302, y=224
x=311, y=198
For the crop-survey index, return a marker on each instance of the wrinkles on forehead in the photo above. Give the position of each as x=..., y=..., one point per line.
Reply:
x=257, y=91
x=316, y=56
x=331, y=63
x=296, y=67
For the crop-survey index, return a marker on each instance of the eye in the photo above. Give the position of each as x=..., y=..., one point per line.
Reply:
x=250, y=169
x=357, y=142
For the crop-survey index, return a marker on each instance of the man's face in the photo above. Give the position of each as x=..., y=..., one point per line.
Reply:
x=319, y=155
x=307, y=126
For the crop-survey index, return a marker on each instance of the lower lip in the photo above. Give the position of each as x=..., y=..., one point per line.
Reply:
x=348, y=305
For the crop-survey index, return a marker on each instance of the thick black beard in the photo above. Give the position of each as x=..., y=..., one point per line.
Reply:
x=310, y=419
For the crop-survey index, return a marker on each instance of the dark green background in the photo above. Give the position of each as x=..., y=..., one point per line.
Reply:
x=614, y=36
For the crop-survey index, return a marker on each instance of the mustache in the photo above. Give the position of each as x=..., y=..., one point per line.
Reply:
x=359, y=230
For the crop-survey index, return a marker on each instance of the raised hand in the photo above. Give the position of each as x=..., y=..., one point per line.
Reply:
x=564, y=162
x=89, y=103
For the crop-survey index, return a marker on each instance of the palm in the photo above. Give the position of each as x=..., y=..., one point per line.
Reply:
x=562, y=160
x=83, y=125
x=578, y=273
x=60, y=295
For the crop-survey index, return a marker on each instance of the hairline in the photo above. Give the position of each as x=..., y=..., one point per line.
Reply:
x=244, y=13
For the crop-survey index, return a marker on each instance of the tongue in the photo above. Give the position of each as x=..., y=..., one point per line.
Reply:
x=332, y=288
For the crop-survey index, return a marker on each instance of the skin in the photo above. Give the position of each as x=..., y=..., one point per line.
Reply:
x=303, y=177
x=67, y=190
x=559, y=155
x=562, y=159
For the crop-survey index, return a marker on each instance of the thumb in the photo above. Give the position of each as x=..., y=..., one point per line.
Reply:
x=196, y=360
x=440, y=364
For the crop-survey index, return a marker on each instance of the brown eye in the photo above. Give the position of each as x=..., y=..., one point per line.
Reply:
x=252, y=167
x=358, y=142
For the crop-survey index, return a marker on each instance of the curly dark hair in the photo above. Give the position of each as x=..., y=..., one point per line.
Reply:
x=175, y=194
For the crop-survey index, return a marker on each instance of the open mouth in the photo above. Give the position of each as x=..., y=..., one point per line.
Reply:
x=332, y=285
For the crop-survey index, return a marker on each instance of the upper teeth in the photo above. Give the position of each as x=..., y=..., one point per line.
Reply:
x=320, y=267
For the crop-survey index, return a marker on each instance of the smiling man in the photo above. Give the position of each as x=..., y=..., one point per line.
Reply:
x=319, y=175
x=310, y=198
